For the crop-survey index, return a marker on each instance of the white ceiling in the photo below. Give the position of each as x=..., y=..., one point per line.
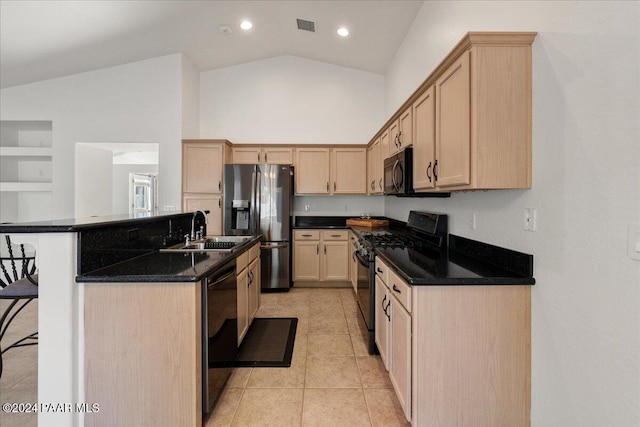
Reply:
x=45, y=39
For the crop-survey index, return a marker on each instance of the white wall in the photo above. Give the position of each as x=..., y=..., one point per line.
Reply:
x=93, y=181
x=338, y=205
x=288, y=99
x=190, y=100
x=138, y=102
x=586, y=175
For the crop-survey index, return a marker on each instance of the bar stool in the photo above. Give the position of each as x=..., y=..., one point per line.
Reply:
x=20, y=285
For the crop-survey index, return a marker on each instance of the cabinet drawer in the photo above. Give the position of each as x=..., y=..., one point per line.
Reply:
x=400, y=289
x=335, y=234
x=242, y=261
x=382, y=270
x=306, y=234
x=254, y=252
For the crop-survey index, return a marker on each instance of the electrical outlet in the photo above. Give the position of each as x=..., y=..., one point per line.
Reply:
x=307, y=208
x=472, y=220
x=169, y=208
x=346, y=208
x=530, y=220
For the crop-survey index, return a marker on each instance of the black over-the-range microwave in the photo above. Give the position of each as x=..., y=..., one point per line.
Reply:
x=398, y=176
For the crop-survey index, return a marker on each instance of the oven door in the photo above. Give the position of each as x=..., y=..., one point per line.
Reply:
x=366, y=299
x=394, y=175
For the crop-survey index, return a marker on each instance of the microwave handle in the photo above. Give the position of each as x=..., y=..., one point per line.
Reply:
x=393, y=175
x=400, y=175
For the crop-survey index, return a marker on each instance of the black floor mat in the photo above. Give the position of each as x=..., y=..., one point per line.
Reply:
x=268, y=343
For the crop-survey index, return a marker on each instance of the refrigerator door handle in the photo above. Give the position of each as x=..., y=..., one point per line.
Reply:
x=274, y=246
x=258, y=201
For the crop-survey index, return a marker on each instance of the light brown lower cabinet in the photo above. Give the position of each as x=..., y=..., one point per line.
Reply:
x=457, y=355
x=321, y=255
x=248, y=273
x=204, y=202
x=142, y=353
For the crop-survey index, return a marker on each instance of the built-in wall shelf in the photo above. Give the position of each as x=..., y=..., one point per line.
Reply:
x=26, y=170
x=26, y=151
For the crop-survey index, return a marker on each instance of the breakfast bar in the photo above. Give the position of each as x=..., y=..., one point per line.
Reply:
x=103, y=275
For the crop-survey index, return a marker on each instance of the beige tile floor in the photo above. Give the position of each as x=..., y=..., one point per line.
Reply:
x=332, y=380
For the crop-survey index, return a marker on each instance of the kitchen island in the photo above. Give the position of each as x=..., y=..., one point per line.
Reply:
x=99, y=277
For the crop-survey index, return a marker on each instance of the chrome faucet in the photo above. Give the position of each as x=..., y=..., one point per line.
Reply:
x=197, y=235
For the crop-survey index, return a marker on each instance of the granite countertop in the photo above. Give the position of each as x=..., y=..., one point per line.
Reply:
x=465, y=262
x=165, y=266
x=80, y=224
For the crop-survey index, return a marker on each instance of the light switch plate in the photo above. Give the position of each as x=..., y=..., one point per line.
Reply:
x=530, y=220
x=633, y=248
x=472, y=220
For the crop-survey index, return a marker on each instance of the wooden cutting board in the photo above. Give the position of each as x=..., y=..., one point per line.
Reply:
x=368, y=223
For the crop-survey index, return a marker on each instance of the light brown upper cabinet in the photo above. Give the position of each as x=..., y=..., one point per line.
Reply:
x=401, y=132
x=202, y=179
x=483, y=115
x=267, y=155
x=453, y=114
x=424, y=140
x=349, y=170
x=331, y=170
x=373, y=170
x=471, y=118
x=312, y=171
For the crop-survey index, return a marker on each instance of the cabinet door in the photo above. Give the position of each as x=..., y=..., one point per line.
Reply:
x=202, y=166
x=385, y=148
x=335, y=260
x=243, y=304
x=394, y=131
x=382, y=321
x=312, y=171
x=306, y=260
x=405, y=128
x=400, y=348
x=210, y=202
x=349, y=171
x=453, y=115
x=424, y=148
x=246, y=155
x=254, y=288
x=373, y=168
x=277, y=156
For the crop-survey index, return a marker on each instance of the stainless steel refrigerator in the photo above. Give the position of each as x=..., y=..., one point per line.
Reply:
x=258, y=200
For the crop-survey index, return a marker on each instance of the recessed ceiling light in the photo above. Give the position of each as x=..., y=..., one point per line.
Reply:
x=343, y=32
x=246, y=25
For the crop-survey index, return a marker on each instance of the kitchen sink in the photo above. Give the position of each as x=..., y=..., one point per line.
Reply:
x=215, y=243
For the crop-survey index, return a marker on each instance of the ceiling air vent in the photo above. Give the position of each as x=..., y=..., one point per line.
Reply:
x=306, y=25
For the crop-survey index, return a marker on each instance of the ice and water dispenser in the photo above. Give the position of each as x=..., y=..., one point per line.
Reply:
x=240, y=215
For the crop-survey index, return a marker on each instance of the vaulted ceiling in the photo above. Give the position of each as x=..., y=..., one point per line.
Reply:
x=46, y=39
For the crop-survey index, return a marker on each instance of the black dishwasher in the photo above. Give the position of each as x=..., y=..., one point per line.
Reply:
x=219, y=331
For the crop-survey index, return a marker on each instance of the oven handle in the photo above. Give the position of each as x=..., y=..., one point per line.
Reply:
x=363, y=262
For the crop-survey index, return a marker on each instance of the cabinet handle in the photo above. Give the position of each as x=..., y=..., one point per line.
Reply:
x=265, y=157
x=306, y=235
x=428, y=169
x=378, y=270
x=386, y=310
x=219, y=203
x=318, y=249
x=334, y=186
x=336, y=235
x=327, y=186
x=380, y=183
x=325, y=249
x=435, y=170
x=400, y=138
x=353, y=256
x=219, y=185
x=395, y=289
x=258, y=157
x=383, y=307
x=373, y=185
x=395, y=140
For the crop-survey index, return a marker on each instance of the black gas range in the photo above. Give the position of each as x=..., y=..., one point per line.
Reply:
x=421, y=242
